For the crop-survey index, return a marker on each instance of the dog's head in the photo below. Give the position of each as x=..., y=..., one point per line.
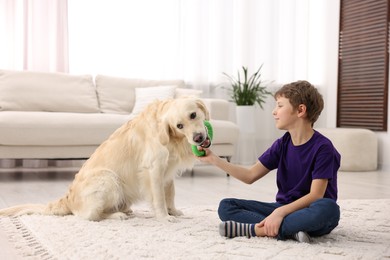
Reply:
x=185, y=118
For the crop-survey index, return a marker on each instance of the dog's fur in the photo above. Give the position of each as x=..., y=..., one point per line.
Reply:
x=137, y=162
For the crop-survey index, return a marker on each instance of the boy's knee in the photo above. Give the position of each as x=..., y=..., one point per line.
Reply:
x=330, y=205
x=224, y=207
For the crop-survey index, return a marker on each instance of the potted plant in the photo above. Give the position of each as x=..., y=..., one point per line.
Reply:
x=247, y=91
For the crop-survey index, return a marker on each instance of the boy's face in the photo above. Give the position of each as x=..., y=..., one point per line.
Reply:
x=284, y=114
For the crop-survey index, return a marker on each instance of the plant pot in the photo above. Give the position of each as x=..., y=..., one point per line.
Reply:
x=246, y=147
x=245, y=117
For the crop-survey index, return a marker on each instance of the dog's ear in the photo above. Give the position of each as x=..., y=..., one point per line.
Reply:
x=163, y=124
x=203, y=107
x=164, y=131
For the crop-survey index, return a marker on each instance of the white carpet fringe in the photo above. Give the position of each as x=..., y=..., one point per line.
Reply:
x=23, y=239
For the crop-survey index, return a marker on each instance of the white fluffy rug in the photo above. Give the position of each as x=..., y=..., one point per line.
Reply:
x=363, y=233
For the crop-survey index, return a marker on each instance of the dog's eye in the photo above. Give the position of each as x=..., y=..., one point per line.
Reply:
x=193, y=115
x=180, y=126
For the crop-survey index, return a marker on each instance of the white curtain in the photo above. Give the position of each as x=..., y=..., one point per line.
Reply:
x=197, y=40
x=194, y=40
x=34, y=35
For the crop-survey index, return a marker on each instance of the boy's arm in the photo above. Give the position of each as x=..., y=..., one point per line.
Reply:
x=244, y=174
x=317, y=191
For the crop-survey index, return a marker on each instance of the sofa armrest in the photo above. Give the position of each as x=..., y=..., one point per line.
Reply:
x=218, y=108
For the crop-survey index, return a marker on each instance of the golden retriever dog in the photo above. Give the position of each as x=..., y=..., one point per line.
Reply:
x=137, y=162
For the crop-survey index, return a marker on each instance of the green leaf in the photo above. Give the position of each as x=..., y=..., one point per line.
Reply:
x=250, y=91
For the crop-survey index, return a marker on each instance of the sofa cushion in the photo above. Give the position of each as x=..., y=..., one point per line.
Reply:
x=224, y=132
x=185, y=92
x=145, y=96
x=52, y=92
x=117, y=95
x=55, y=129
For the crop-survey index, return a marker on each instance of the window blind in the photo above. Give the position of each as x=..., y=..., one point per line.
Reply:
x=363, y=64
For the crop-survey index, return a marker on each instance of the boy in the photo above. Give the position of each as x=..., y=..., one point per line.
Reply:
x=306, y=164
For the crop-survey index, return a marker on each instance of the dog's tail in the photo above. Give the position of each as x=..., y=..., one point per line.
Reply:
x=26, y=209
x=55, y=208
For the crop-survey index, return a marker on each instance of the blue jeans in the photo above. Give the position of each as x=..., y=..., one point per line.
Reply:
x=320, y=218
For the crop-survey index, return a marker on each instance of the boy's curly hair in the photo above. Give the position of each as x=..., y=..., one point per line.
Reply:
x=303, y=92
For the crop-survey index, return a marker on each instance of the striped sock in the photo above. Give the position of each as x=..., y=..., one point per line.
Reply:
x=232, y=229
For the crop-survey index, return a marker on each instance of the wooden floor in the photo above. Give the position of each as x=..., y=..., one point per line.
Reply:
x=207, y=186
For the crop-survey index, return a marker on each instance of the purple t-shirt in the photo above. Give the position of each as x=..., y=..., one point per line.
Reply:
x=299, y=165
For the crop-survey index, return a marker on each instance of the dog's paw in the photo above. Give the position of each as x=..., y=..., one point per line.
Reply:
x=129, y=212
x=168, y=218
x=171, y=219
x=118, y=216
x=175, y=212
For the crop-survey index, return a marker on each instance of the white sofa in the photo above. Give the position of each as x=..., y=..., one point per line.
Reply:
x=62, y=116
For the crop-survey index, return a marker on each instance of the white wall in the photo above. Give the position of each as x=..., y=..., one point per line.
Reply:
x=384, y=150
x=384, y=142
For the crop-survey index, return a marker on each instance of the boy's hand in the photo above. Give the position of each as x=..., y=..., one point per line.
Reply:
x=271, y=224
x=207, y=157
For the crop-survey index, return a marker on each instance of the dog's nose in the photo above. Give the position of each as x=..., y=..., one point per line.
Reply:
x=198, y=138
